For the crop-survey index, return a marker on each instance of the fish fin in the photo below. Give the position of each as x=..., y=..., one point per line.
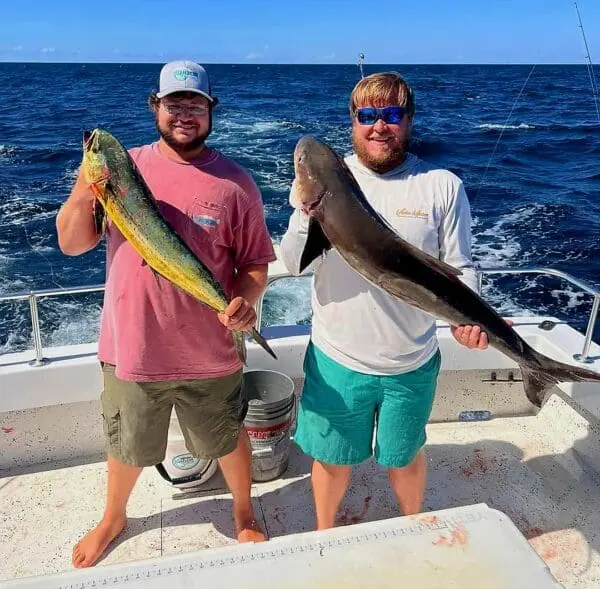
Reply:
x=316, y=244
x=445, y=267
x=259, y=339
x=99, y=217
x=431, y=261
x=240, y=345
x=140, y=179
x=538, y=379
x=358, y=193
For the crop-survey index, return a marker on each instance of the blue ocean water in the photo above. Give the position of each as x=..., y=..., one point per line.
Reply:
x=535, y=193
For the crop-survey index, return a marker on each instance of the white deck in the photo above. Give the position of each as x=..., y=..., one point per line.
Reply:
x=517, y=465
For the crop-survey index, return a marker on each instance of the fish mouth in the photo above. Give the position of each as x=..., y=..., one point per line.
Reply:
x=87, y=136
x=90, y=142
x=314, y=203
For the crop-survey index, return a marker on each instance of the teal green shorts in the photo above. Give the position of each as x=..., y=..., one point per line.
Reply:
x=341, y=411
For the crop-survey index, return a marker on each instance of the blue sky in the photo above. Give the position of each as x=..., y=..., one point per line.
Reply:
x=299, y=31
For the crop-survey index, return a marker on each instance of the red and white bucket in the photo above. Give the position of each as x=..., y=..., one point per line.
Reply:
x=271, y=415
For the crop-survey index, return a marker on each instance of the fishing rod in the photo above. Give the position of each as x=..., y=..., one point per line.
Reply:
x=590, y=65
x=594, y=85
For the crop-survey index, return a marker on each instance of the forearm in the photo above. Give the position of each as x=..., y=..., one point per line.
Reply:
x=250, y=282
x=75, y=221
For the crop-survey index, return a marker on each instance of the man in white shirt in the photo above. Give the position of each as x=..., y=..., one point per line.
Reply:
x=372, y=364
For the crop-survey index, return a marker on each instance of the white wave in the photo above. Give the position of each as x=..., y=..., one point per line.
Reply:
x=43, y=249
x=246, y=126
x=18, y=211
x=287, y=302
x=513, y=127
x=78, y=325
x=266, y=126
x=495, y=247
x=13, y=342
x=70, y=174
x=7, y=149
x=8, y=286
x=569, y=298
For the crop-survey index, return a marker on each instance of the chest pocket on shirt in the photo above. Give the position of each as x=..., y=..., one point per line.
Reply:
x=206, y=220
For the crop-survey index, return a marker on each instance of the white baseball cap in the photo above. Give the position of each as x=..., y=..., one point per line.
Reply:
x=184, y=76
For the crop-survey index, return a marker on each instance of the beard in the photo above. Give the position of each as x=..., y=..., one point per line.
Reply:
x=182, y=147
x=381, y=164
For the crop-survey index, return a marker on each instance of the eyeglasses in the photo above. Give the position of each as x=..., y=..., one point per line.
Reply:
x=179, y=110
x=391, y=115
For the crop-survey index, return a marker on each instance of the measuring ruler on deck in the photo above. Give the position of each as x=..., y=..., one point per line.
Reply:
x=469, y=546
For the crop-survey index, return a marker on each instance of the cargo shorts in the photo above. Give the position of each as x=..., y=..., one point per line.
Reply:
x=136, y=416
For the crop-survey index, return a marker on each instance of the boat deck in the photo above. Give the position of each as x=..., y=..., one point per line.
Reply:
x=521, y=466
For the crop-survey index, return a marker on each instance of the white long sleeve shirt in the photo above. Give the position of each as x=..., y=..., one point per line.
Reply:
x=358, y=324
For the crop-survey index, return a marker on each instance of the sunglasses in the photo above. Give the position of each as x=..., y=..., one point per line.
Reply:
x=391, y=115
x=179, y=110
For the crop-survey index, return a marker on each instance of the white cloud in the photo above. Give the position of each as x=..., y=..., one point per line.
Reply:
x=17, y=48
x=48, y=50
x=258, y=54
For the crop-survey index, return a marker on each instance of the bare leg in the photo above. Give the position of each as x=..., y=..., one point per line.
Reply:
x=237, y=470
x=121, y=480
x=329, y=484
x=408, y=484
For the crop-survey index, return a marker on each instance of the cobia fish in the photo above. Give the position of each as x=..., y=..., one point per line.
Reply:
x=119, y=187
x=341, y=217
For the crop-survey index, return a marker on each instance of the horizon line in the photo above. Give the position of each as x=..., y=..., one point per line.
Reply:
x=255, y=63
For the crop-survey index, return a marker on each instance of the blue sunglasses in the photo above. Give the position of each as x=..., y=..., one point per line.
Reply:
x=391, y=115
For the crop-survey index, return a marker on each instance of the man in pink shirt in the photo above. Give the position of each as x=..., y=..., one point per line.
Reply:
x=158, y=347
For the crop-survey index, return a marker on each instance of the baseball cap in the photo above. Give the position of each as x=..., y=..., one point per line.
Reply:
x=184, y=76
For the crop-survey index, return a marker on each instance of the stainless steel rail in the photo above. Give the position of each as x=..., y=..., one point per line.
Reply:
x=34, y=295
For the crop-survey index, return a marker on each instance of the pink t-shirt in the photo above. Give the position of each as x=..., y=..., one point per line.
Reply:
x=149, y=328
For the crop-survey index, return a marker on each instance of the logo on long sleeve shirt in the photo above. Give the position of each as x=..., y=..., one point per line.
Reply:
x=414, y=213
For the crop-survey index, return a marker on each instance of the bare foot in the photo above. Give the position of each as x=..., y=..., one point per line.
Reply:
x=91, y=547
x=249, y=530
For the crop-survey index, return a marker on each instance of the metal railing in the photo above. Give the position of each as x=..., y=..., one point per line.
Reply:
x=34, y=295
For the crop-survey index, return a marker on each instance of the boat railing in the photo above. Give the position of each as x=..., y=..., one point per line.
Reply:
x=34, y=295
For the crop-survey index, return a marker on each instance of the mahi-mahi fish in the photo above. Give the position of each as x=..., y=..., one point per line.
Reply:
x=341, y=217
x=124, y=196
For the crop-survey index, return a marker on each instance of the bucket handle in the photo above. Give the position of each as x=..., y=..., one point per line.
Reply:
x=295, y=419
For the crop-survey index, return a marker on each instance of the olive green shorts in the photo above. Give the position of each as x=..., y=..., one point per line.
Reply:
x=136, y=416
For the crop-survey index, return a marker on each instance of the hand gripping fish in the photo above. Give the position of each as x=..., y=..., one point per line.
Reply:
x=119, y=187
x=341, y=217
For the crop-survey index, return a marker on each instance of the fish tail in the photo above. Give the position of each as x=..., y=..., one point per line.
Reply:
x=259, y=339
x=240, y=345
x=537, y=379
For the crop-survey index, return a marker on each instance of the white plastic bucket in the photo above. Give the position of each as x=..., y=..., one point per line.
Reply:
x=270, y=417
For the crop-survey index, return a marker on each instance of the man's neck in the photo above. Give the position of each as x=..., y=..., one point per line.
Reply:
x=181, y=156
x=384, y=170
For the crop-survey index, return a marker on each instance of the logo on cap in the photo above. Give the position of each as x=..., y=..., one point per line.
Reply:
x=184, y=74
